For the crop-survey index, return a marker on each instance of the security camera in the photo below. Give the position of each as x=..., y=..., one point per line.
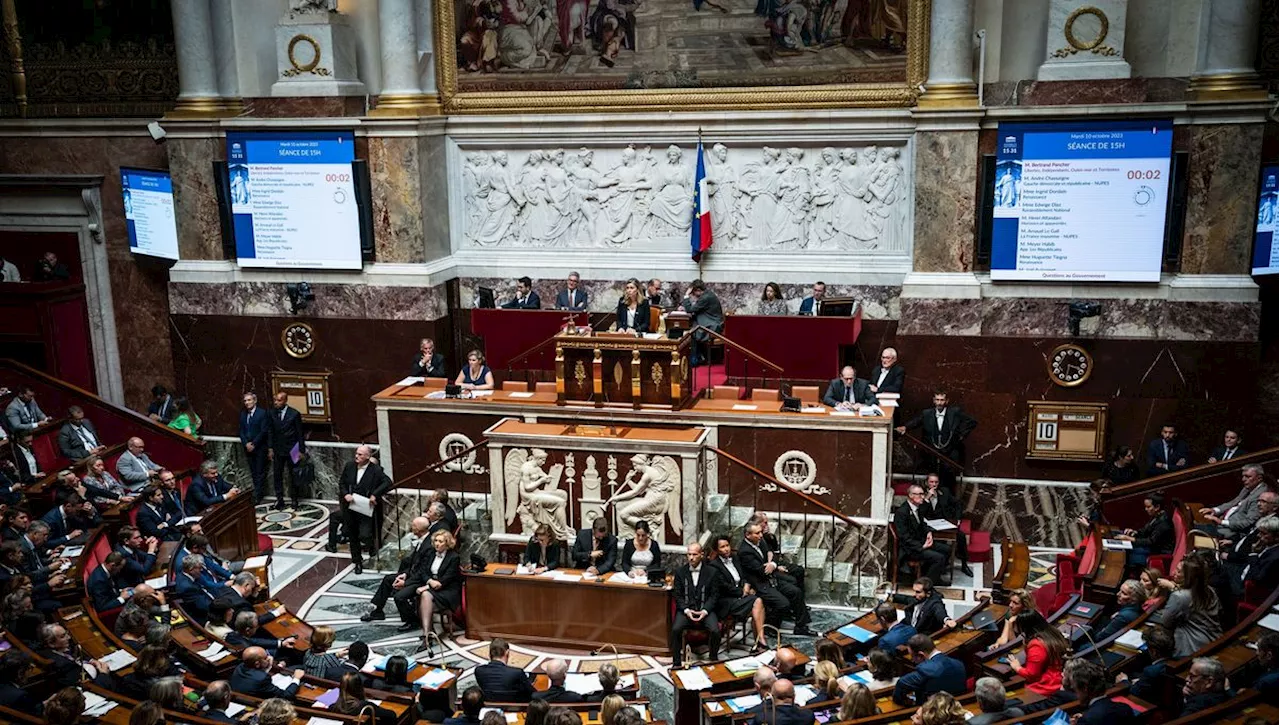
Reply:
x=157, y=132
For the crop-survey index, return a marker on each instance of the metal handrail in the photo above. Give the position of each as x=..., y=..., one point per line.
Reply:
x=403, y=482
x=1186, y=475
x=784, y=486
x=753, y=355
x=933, y=452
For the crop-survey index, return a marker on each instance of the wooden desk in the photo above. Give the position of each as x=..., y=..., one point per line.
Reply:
x=688, y=709
x=868, y=622
x=232, y=528
x=540, y=610
x=1015, y=566
x=1107, y=578
x=620, y=369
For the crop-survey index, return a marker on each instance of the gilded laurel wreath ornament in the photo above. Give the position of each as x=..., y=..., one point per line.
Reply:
x=311, y=66
x=1076, y=45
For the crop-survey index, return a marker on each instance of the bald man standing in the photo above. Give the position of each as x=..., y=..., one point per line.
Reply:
x=361, y=477
x=696, y=589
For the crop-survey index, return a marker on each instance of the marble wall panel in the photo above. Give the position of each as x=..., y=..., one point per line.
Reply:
x=137, y=283
x=1202, y=387
x=841, y=469
x=332, y=301
x=328, y=461
x=1222, y=184
x=922, y=316
x=434, y=179
x=397, y=198
x=195, y=205
x=1039, y=515
x=946, y=165
x=218, y=357
x=737, y=298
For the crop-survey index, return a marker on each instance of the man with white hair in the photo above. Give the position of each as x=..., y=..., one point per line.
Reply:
x=555, y=669
x=1235, y=554
x=394, y=584
x=994, y=702
x=134, y=467
x=450, y=516
x=1262, y=566
x=1206, y=686
x=889, y=376
x=1234, y=518
x=436, y=515
x=365, y=479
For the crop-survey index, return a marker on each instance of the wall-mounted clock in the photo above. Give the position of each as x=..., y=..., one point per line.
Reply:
x=299, y=340
x=1069, y=365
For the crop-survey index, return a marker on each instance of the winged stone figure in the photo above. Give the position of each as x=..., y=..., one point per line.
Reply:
x=534, y=494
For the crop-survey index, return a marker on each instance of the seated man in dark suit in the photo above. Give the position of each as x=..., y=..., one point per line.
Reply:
x=780, y=595
x=67, y=665
x=1266, y=676
x=103, y=588
x=1262, y=567
x=915, y=539
x=1089, y=683
x=195, y=596
x=217, y=698
x=217, y=573
x=471, y=703
x=154, y=519
x=925, y=613
x=783, y=709
x=555, y=670
x=29, y=469
x=1129, y=598
x=526, y=298
x=1229, y=449
x=78, y=438
x=243, y=592
x=13, y=666
x=244, y=633
x=848, y=392
x=595, y=549
x=357, y=656
x=811, y=305
x=889, y=377
x=392, y=584
x=207, y=489
x=67, y=524
x=1206, y=686
x=500, y=681
x=696, y=590
x=1155, y=537
x=572, y=298
x=994, y=702
x=1150, y=684
x=428, y=363
x=935, y=672
x=441, y=495
x=1166, y=454
x=253, y=676
x=139, y=555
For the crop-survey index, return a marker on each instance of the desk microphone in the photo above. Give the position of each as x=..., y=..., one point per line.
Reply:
x=1093, y=645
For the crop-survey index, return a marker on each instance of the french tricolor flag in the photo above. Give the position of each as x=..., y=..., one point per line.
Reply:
x=700, y=234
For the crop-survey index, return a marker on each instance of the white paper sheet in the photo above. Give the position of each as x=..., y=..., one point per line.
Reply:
x=1116, y=544
x=583, y=684
x=213, y=652
x=434, y=679
x=282, y=680
x=235, y=708
x=1131, y=639
x=745, y=406
x=694, y=679
x=814, y=409
x=620, y=577
x=805, y=693
x=412, y=380
x=190, y=520
x=871, y=411
x=361, y=505
x=323, y=721
x=159, y=582
x=1271, y=622
x=72, y=552
x=118, y=659
x=940, y=524
x=844, y=413
x=766, y=657
x=255, y=562
x=520, y=394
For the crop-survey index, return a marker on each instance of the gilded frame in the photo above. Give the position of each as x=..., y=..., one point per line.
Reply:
x=683, y=99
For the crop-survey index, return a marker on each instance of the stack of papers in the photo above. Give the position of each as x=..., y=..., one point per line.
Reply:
x=766, y=657
x=412, y=380
x=235, y=708
x=1116, y=544
x=743, y=703
x=620, y=577
x=742, y=666
x=328, y=698
x=434, y=679
x=940, y=524
x=856, y=633
x=95, y=705
x=376, y=663
x=861, y=676
x=870, y=411
x=1132, y=639
x=72, y=552
x=805, y=693
x=282, y=680
x=254, y=562
x=213, y=652
x=159, y=582
x=693, y=679
x=118, y=659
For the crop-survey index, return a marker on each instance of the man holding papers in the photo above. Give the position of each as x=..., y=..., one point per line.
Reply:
x=359, y=493
x=253, y=676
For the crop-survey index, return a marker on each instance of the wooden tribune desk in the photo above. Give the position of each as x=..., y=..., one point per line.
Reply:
x=541, y=610
x=620, y=369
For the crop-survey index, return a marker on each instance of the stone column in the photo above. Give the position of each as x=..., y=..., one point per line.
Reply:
x=1225, y=68
x=224, y=49
x=197, y=66
x=950, y=83
x=401, y=89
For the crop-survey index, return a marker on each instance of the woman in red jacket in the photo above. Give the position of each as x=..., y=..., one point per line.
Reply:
x=1046, y=650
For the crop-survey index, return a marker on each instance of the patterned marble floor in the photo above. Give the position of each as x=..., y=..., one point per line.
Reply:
x=323, y=588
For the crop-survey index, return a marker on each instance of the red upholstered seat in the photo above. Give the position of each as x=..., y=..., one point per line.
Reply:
x=265, y=544
x=979, y=546
x=46, y=452
x=1166, y=562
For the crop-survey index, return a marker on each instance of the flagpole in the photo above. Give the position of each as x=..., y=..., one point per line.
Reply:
x=698, y=148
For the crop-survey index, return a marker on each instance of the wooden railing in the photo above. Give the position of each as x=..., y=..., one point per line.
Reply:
x=1208, y=483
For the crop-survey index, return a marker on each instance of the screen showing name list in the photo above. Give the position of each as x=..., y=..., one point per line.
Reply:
x=1082, y=202
x=1266, y=249
x=293, y=199
x=148, y=212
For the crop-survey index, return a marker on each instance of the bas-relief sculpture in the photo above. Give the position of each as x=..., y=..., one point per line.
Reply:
x=535, y=494
x=827, y=199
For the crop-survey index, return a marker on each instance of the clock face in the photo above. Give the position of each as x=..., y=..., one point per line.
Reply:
x=299, y=339
x=1070, y=365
